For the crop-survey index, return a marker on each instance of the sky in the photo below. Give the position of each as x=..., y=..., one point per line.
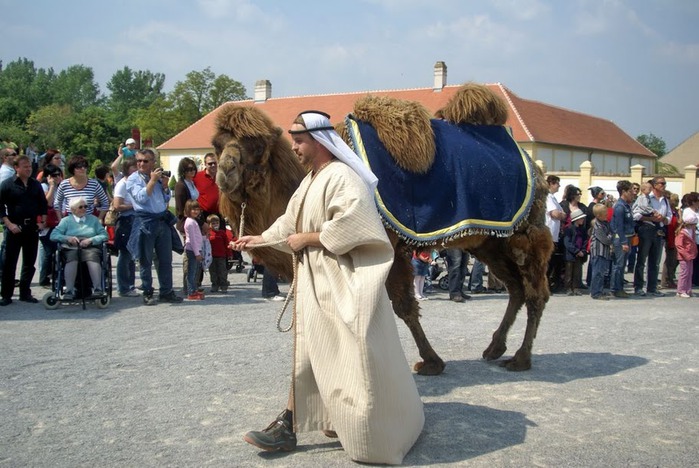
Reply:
x=634, y=62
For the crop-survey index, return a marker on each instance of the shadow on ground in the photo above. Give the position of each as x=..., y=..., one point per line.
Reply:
x=553, y=368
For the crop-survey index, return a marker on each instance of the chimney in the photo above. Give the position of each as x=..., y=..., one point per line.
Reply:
x=263, y=90
x=440, y=76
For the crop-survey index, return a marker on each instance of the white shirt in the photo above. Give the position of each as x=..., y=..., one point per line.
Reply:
x=554, y=225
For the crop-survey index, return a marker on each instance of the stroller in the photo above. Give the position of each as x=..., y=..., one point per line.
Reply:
x=83, y=283
x=438, y=273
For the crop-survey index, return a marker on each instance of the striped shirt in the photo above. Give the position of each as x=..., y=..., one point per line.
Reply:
x=601, y=240
x=93, y=190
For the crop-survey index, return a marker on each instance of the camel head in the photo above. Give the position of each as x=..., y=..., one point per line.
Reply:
x=255, y=165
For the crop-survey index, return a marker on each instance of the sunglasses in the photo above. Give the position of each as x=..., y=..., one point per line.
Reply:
x=661, y=183
x=81, y=207
x=11, y=154
x=80, y=166
x=210, y=164
x=190, y=169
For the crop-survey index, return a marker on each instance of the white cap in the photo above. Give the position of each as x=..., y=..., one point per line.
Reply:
x=130, y=141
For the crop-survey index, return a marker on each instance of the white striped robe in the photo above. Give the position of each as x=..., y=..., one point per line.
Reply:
x=350, y=372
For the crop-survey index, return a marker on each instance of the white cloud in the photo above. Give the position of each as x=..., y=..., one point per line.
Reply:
x=521, y=10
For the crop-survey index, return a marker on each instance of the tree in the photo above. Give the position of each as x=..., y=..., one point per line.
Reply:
x=49, y=126
x=653, y=143
x=76, y=87
x=160, y=121
x=201, y=92
x=133, y=90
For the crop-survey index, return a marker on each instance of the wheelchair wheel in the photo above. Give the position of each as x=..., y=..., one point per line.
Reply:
x=239, y=267
x=50, y=301
x=444, y=282
x=103, y=302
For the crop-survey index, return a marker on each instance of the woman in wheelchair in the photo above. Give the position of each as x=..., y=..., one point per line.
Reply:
x=84, y=230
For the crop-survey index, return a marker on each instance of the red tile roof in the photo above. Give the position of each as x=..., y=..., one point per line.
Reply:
x=531, y=121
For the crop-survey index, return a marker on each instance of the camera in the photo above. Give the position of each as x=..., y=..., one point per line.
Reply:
x=166, y=174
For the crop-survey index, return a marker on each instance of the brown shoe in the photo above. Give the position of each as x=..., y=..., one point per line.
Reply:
x=330, y=434
x=458, y=298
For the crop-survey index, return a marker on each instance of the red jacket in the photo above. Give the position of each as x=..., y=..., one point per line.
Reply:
x=671, y=228
x=219, y=243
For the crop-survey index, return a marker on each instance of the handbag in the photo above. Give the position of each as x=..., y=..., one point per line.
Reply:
x=111, y=217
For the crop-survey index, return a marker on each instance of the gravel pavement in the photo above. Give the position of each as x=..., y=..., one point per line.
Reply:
x=613, y=384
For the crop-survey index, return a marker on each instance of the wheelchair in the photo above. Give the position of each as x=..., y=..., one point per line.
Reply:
x=83, y=284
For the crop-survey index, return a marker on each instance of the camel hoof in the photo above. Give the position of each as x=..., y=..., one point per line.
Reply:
x=429, y=368
x=494, y=351
x=516, y=365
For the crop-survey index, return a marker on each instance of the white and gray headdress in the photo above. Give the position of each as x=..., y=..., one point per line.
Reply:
x=318, y=125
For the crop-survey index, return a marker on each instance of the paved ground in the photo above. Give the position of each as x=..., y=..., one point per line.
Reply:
x=613, y=384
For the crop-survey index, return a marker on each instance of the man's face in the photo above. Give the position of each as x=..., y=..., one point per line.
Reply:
x=659, y=185
x=10, y=157
x=211, y=166
x=628, y=195
x=553, y=188
x=24, y=169
x=144, y=163
x=304, y=145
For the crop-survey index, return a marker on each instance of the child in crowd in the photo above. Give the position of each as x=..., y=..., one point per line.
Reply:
x=600, y=251
x=642, y=203
x=686, y=250
x=193, y=248
x=575, y=242
x=421, y=268
x=219, y=252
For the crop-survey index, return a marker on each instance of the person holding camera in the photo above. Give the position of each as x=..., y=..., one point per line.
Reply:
x=151, y=229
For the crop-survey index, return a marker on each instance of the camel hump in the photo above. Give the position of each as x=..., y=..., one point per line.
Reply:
x=403, y=127
x=475, y=104
x=239, y=122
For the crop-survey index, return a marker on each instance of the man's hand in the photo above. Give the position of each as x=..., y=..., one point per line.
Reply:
x=156, y=174
x=73, y=240
x=85, y=242
x=199, y=258
x=246, y=243
x=297, y=242
x=625, y=247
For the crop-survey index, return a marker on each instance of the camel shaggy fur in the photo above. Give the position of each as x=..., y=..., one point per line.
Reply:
x=258, y=168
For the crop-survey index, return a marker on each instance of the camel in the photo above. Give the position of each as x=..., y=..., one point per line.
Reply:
x=259, y=171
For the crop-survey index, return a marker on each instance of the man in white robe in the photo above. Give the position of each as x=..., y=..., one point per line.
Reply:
x=351, y=378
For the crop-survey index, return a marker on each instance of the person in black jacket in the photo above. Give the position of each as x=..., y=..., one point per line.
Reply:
x=23, y=209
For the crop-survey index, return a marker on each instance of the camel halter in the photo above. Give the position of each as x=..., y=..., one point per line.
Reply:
x=294, y=255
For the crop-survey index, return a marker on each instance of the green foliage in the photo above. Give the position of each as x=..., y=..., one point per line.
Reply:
x=653, y=143
x=94, y=165
x=201, y=92
x=666, y=169
x=67, y=111
x=49, y=125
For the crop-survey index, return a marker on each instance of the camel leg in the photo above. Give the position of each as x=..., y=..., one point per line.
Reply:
x=399, y=285
x=537, y=295
x=498, y=344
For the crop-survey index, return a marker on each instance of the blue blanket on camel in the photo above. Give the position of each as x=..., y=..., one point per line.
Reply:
x=481, y=182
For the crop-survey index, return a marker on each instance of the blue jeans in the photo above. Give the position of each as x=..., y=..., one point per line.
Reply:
x=475, y=282
x=193, y=266
x=598, y=266
x=160, y=241
x=125, y=272
x=47, y=250
x=125, y=267
x=618, y=267
x=650, y=248
x=270, y=288
x=457, y=264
